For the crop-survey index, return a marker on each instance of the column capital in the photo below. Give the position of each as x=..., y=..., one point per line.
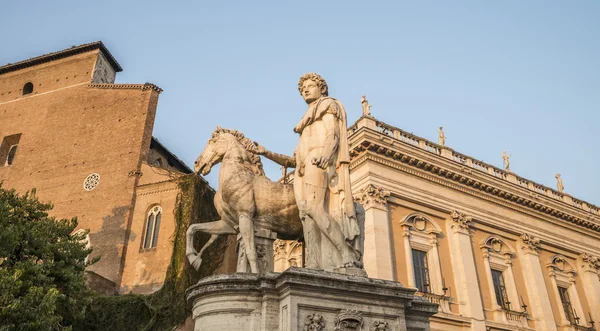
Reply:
x=589, y=263
x=461, y=222
x=373, y=196
x=530, y=244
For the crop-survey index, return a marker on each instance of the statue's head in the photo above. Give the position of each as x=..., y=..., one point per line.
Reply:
x=312, y=86
x=441, y=127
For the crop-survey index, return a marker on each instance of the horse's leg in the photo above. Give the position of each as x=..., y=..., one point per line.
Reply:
x=247, y=232
x=214, y=229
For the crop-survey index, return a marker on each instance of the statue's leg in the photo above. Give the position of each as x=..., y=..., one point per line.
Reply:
x=312, y=240
x=247, y=232
x=214, y=229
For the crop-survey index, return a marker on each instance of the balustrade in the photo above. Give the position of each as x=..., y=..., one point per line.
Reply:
x=459, y=158
x=480, y=166
x=410, y=139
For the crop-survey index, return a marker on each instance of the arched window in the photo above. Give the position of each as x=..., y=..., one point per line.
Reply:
x=152, y=227
x=27, y=88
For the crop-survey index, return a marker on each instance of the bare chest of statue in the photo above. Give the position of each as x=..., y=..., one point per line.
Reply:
x=312, y=140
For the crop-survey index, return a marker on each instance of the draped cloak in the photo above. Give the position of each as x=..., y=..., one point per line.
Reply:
x=339, y=197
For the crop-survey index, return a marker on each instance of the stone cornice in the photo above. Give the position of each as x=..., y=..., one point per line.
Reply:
x=393, y=136
x=366, y=143
x=143, y=87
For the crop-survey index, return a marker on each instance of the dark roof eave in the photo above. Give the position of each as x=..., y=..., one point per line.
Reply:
x=62, y=54
x=155, y=143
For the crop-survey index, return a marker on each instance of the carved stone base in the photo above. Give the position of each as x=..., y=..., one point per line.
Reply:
x=263, y=241
x=305, y=299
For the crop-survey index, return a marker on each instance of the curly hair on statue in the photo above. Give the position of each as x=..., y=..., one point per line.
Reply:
x=321, y=83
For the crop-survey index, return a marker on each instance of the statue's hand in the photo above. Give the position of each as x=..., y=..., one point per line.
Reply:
x=260, y=149
x=320, y=162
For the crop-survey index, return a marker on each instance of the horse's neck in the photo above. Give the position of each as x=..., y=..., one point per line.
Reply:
x=234, y=160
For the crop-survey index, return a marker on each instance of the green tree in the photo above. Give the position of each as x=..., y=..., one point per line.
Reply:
x=42, y=262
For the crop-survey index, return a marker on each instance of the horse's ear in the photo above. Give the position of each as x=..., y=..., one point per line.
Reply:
x=219, y=128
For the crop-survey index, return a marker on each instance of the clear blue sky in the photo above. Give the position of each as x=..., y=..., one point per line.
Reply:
x=517, y=75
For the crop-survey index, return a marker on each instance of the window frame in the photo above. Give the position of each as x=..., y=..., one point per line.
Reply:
x=152, y=228
x=563, y=275
x=421, y=233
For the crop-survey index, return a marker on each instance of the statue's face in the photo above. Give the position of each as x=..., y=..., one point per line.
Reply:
x=310, y=91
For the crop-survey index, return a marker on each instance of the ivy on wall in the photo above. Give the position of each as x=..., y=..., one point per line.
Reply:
x=166, y=309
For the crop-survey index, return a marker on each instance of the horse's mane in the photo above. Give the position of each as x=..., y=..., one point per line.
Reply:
x=257, y=165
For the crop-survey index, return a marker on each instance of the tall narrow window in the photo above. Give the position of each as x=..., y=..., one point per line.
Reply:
x=11, y=154
x=28, y=88
x=500, y=290
x=421, y=271
x=152, y=227
x=566, y=303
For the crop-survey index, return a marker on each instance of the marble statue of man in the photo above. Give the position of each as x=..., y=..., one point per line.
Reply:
x=506, y=158
x=441, y=137
x=322, y=179
x=559, y=183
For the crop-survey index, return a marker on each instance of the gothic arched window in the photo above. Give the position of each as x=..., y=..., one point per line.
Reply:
x=152, y=227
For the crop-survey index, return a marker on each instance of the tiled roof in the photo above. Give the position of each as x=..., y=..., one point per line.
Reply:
x=62, y=54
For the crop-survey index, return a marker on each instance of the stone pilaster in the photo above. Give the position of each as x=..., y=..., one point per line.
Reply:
x=589, y=268
x=463, y=267
x=539, y=301
x=377, y=255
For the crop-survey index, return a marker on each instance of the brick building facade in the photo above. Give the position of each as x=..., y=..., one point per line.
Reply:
x=86, y=145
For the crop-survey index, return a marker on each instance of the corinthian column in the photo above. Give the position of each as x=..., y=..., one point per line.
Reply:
x=539, y=301
x=589, y=266
x=463, y=267
x=377, y=255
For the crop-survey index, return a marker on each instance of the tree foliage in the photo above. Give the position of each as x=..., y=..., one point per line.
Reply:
x=42, y=262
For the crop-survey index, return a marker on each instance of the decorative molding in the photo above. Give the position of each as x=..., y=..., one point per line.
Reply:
x=461, y=222
x=530, y=244
x=143, y=87
x=530, y=201
x=380, y=326
x=314, y=322
x=373, y=196
x=589, y=262
x=349, y=320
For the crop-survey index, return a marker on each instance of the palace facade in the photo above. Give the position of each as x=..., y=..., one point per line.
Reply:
x=495, y=250
x=86, y=145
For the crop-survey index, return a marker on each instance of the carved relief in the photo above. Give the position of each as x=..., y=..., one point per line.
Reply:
x=530, y=243
x=103, y=72
x=349, y=320
x=461, y=221
x=287, y=253
x=314, y=322
x=380, y=326
x=590, y=262
x=372, y=196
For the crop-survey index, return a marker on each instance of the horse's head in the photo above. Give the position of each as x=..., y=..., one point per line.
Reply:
x=213, y=152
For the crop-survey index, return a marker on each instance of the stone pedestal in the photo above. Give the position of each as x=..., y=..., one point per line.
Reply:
x=263, y=240
x=305, y=299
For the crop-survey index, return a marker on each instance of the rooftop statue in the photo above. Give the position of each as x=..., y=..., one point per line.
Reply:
x=441, y=137
x=366, y=107
x=559, y=183
x=322, y=179
x=506, y=158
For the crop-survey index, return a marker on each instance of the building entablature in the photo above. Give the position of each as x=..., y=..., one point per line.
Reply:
x=373, y=140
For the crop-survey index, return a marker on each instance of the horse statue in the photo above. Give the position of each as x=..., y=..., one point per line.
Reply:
x=246, y=199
